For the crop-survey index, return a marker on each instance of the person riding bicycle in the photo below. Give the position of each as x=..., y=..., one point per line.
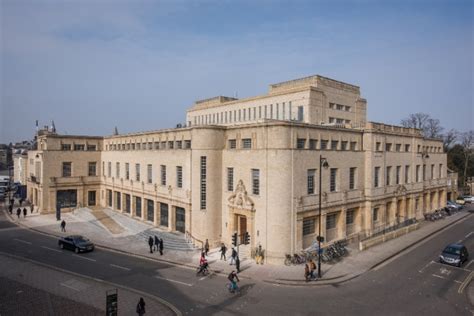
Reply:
x=232, y=278
x=203, y=264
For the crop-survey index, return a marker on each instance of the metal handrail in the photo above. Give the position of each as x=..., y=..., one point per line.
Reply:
x=193, y=239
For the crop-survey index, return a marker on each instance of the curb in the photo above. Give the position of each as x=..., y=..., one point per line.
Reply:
x=150, y=296
x=347, y=277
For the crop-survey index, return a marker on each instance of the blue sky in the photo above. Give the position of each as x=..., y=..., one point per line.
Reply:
x=138, y=65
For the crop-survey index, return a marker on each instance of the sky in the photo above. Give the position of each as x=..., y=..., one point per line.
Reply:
x=92, y=65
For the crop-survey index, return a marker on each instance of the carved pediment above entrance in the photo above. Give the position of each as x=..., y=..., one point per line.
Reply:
x=240, y=198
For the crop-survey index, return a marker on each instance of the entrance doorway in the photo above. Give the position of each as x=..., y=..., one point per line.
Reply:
x=241, y=227
x=180, y=219
x=91, y=198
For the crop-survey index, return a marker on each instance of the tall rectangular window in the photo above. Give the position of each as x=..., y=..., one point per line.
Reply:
x=313, y=143
x=343, y=145
x=407, y=173
x=324, y=144
x=149, y=173
x=333, y=178
x=247, y=143
x=407, y=147
x=203, y=182
x=137, y=172
x=310, y=181
x=256, y=181
x=103, y=168
x=353, y=145
x=331, y=221
x=352, y=176
x=432, y=171
x=309, y=226
x=230, y=179
x=67, y=169
x=424, y=172
x=350, y=216
x=127, y=171
x=440, y=171
x=92, y=169
x=300, y=113
x=417, y=175
x=334, y=144
x=232, y=143
x=375, y=214
x=376, y=177
x=397, y=175
x=117, y=170
x=387, y=175
x=179, y=176
x=163, y=175
x=109, y=169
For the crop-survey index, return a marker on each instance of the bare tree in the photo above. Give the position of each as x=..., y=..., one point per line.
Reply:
x=449, y=138
x=467, y=143
x=431, y=128
x=416, y=120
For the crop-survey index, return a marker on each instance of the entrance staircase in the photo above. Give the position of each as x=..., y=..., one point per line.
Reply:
x=171, y=240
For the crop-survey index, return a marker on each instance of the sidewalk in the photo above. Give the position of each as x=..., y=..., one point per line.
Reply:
x=351, y=266
x=86, y=293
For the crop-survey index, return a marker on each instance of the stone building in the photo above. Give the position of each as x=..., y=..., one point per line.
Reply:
x=252, y=165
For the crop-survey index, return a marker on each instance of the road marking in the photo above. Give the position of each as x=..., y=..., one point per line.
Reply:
x=439, y=276
x=453, y=267
x=467, y=265
x=459, y=241
x=203, y=277
x=426, y=266
x=171, y=280
x=465, y=283
x=467, y=236
x=52, y=249
x=69, y=287
x=85, y=258
x=23, y=241
x=119, y=267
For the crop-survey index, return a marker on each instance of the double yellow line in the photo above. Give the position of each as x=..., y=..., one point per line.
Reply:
x=466, y=282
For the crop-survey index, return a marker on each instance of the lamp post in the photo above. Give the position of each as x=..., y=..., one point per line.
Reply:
x=322, y=163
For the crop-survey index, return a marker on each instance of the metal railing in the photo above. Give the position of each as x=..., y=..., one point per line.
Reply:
x=384, y=230
x=190, y=238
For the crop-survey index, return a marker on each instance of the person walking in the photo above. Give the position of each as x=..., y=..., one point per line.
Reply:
x=237, y=263
x=141, y=307
x=157, y=242
x=10, y=209
x=223, y=251
x=312, y=268
x=206, y=247
x=232, y=256
x=24, y=212
x=18, y=212
x=161, y=246
x=259, y=255
x=150, y=243
x=306, y=272
x=63, y=226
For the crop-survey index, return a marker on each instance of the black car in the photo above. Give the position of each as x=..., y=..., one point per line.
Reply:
x=454, y=254
x=77, y=243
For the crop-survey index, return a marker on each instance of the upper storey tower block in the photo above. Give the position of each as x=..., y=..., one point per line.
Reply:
x=313, y=100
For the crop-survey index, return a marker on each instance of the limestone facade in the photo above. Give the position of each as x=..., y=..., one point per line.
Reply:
x=256, y=173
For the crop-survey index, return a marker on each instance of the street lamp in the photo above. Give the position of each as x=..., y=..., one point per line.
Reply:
x=322, y=163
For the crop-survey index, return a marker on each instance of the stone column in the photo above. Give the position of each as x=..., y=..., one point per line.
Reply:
x=171, y=218
x=156, y=221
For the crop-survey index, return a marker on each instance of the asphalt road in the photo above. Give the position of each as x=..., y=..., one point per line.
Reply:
x=411, y=283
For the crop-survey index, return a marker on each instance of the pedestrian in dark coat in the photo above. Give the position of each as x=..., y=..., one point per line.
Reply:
x=206, y=247
x=21, y=201
x=237, y=263
x=63, y=226
x=223, y=251
x=24, y=212
x=150, y=243
x=18, y=212
x=157, y=242
x=232, y=256
x=161, y=246
x=10, y=209
x=141, y=307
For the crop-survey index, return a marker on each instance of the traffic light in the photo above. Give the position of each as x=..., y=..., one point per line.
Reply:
x=234, y=239
x=247, y=238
